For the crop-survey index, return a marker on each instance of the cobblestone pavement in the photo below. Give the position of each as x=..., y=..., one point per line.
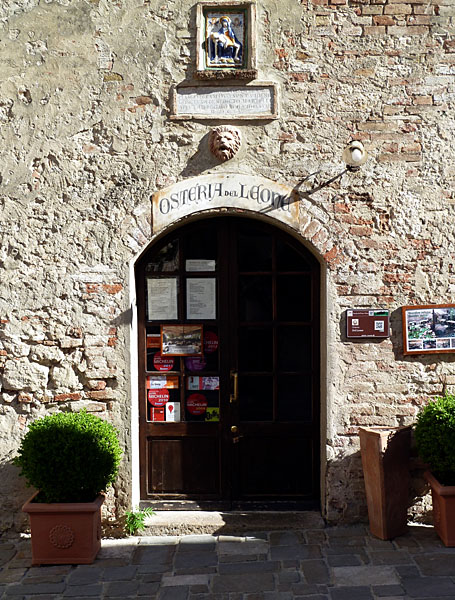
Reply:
x=333, y=563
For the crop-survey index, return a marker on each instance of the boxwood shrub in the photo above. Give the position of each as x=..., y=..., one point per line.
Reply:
x=69, y=457
x=435, y=437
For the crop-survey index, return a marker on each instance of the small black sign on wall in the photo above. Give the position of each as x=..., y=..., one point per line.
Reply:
x=367, y=323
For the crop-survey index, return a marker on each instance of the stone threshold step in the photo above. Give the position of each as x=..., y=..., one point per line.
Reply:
x=183, y=522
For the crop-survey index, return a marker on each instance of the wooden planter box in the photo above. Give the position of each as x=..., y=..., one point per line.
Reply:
x=385, y=461
x=66, y=533
x=443, y=509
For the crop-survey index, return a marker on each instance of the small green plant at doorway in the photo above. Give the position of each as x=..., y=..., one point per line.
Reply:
x=135, y=519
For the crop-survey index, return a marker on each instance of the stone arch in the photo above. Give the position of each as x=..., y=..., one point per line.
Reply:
x=237, y=192
x=304, y=222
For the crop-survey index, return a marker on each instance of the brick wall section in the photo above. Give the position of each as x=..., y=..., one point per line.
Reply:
x=85, y=139
x=393, y=17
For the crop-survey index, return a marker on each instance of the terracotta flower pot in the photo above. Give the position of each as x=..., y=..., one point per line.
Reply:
x=385, y=461
x=64, y=533
x=443, y=509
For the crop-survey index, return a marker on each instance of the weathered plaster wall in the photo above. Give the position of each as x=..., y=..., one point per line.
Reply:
x=85, y=139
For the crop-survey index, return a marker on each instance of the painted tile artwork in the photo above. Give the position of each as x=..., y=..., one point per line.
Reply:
x=224, y=39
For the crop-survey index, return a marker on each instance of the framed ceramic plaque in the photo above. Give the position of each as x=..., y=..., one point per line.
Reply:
x=226, y=34
x=428, y=329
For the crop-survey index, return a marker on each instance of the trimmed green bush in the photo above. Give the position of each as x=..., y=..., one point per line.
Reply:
x=69, y=457
x=435, y=438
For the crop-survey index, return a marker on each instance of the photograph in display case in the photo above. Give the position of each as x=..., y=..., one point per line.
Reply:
x=428, y=329
x=181, y=340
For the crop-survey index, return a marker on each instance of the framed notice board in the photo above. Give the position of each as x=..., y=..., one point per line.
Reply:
x=428, y=329
x=367, y=323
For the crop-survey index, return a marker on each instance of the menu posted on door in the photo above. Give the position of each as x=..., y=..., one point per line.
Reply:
x=162, y=298
x=201, y=298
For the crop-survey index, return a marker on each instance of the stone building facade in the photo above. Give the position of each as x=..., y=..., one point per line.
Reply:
x=87, y=139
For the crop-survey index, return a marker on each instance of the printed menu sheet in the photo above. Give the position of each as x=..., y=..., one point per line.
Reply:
x=201, y=298
x=162, y=298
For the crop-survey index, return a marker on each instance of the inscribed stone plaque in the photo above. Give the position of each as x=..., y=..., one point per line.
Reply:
x=225, y=102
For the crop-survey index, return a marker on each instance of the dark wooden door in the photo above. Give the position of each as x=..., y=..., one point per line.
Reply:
x=248, y=431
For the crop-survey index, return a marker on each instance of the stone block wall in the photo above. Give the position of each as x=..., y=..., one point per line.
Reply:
x=85, y=139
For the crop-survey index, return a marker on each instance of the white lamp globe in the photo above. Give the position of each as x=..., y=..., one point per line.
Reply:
x=356, y=155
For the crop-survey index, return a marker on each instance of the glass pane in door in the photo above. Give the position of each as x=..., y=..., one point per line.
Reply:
x=255, y=298
x=256, y=397
x=254, y=250
x=255, y=349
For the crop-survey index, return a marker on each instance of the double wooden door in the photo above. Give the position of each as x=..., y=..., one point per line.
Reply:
x=229, y=367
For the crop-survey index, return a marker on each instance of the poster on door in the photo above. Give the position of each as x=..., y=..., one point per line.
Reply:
x=156, y=382
x=200, y=265
x=212, y=414
x=172, y=412
x=157, y=413
x=196, y=404
x=210, y=342
x=201, y=298
x=181, y=340
x=195, y=382
x=202, y=406
x=163, y=405
x=158, y=398
x=195, y=363
x=163, y=363
x=162, y=298
x=153, y=340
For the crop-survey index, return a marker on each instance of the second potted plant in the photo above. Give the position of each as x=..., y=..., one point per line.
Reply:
x=70, y=458
x=435, y=441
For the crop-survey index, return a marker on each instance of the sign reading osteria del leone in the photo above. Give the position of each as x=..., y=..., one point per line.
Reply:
x=232, y=190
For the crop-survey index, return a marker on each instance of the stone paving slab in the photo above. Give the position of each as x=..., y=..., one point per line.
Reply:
x=365, y=575
x=331, y=563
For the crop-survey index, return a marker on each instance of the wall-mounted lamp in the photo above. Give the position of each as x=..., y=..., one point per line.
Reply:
x=354, y=156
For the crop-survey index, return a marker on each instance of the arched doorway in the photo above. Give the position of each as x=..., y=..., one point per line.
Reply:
x=232, y=420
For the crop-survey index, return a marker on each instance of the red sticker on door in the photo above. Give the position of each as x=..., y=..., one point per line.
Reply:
x=196, y=404
x=158, y=397
x=163, y=363
x=210, y=342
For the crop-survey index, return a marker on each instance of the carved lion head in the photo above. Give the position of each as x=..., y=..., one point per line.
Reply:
x=224, y=142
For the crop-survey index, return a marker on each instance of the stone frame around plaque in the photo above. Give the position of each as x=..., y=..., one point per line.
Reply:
x=258, y=100
x=226, y=40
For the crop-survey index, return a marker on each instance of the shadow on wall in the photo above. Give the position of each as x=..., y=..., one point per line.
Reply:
x=11, y=515
x=348, y=503
x=344, y=481
x=420, y=504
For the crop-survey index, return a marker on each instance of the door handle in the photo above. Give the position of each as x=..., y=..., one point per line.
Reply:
x=235, y=393
x=235, y=434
